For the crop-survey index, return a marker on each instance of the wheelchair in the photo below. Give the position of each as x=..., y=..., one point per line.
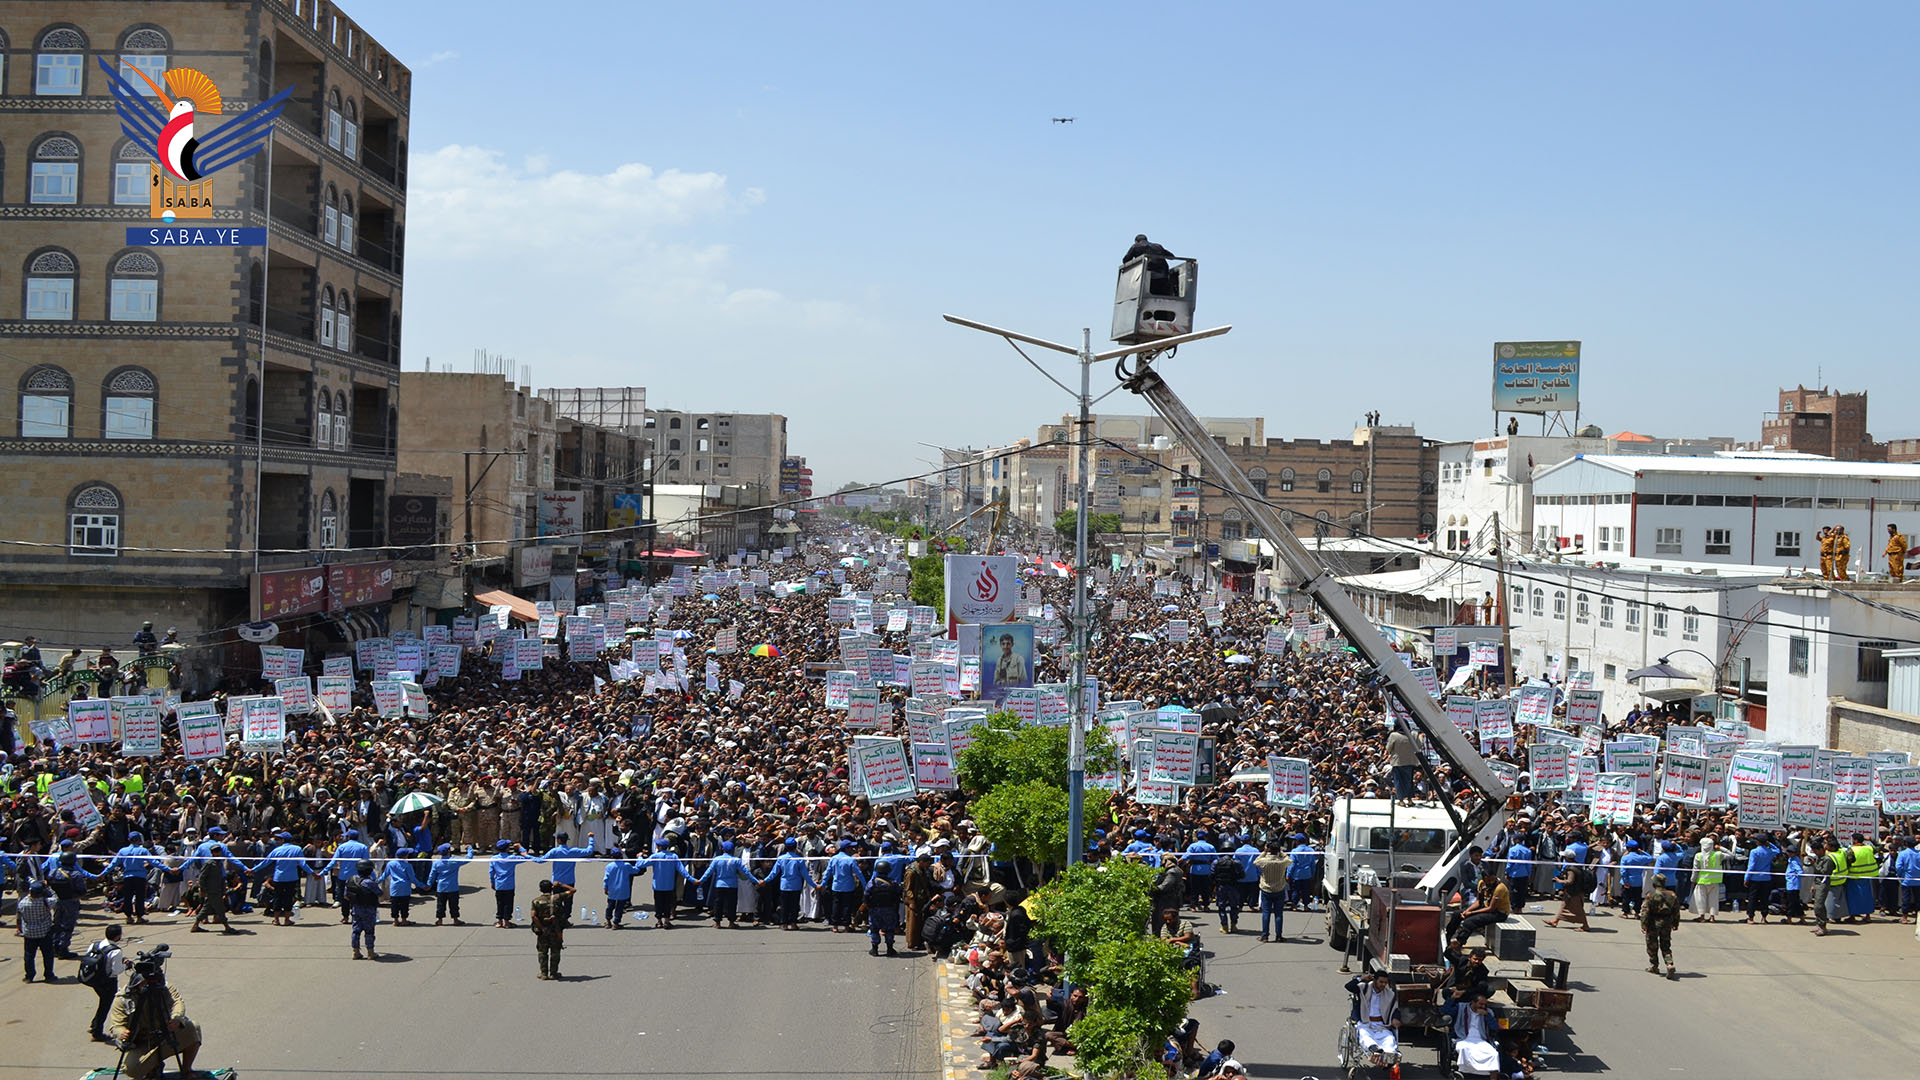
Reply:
x=1355, y=1060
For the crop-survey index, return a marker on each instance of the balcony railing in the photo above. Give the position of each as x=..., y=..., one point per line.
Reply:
x=295, y=215
x=290, y=323
x=379, y=165
x=377, y=349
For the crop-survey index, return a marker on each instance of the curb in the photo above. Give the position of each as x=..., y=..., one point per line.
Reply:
x=957, y=1008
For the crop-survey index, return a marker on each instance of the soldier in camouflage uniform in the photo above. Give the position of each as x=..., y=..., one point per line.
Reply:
x=550, y=914
x=1659, y=914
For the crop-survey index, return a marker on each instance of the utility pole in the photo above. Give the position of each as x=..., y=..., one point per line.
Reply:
x=1077, y=690
x=1506, y=615
x=466, y=461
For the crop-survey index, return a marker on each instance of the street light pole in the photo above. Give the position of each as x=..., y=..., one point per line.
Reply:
x=1077, y=690
x=1082, y=617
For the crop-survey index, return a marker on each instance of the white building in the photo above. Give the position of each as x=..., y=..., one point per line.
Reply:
x=1620, y=616
x=1827, y=650
x=1732, y=509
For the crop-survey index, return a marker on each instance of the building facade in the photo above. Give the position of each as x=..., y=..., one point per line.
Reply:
x=1383, y=481
x=1730, y=509
x=1822, y=422
x=497, y=442
x=718, y=448
x=185, y=420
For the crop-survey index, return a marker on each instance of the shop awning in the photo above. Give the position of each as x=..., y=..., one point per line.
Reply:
x=520, y=609
x=669, y=553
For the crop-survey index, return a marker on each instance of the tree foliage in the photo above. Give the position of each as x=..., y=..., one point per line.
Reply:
x=1069, y=520
x=1092, y=904
x=927, y=585
x=1008, y=750
x=1029, y=820
x=1137, y=988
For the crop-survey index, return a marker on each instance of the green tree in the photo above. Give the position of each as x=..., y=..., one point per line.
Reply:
x=1007, y=750
x=926, y=584
x=1092, y=904
x=1068, y=521
x=1137, y=988
x=1029, y=820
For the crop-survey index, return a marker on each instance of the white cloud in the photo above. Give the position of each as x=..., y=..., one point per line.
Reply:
x=584, y=274
x=440, y=57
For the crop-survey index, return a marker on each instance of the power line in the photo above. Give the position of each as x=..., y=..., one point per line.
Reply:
x=1511, y=574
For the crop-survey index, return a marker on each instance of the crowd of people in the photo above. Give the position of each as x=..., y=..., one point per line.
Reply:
x=734, y=807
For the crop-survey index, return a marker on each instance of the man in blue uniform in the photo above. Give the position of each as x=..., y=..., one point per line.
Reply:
x=667, y=870
x=843, y=879
x=135, y=863
x=722, y=878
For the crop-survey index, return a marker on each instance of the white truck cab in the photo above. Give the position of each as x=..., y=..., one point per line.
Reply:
x=1372, y=841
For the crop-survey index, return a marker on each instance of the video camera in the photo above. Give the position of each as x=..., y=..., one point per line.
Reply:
x=148, y=966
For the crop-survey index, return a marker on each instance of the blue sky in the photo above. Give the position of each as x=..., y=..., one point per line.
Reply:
x=767, y=207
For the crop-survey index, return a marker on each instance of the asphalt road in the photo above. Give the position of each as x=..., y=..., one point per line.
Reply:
x=463, y=1002
x=1755, y=1002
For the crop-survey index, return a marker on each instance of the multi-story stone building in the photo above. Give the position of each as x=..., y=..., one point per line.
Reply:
x=1380, y=482
x=497, y=442
x=186, y=422
x=718, y=447
x=1822, y=422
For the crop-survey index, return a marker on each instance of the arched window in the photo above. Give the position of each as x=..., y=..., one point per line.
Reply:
x=128, y=402
x=1257, y=476
x=1359, y=481
x=343, y=324
x=49, y=285
x=46, y=403
x=60, y=63
x=1323, y=480
x=1286, y=518
x=133, y=288
x=323, y=419
x=56, y=170
x=346, y=223
x=326, y=315
x=520, y=463
x=251, y=410
x=1356, y=517
x=132, y=174
x=335, y=121
x=1230, y=526
x=1660, y=616
x=93, y=520
x=350, y=133
x=1560, y=604
x=145, y=49
x=674, y=423
x=1539, y=601
x=330, y=216
x=1426, y=482
x=702, y=424
x=329, y=519
x=1286, y=479
x=265, y=70
x=256, y=292
x=1690, y=624
x=342, y=420
x=1606, y=610
x=1582, y=608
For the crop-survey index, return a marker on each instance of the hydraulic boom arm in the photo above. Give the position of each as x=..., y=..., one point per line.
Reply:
x=1480, y=823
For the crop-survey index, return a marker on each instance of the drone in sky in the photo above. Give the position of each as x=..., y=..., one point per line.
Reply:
x=1065, y=119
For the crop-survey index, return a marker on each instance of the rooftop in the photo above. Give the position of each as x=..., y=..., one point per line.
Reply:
x=1743, y=463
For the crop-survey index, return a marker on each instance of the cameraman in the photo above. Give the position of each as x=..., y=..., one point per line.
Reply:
x=150, y=1021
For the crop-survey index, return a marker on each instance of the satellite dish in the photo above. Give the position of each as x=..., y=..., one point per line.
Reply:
x=259, y=632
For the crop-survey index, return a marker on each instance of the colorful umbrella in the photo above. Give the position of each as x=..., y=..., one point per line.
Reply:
x=415, y=802
x=763, y=650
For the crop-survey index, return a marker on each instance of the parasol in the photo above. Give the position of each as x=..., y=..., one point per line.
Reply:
x=415, y=802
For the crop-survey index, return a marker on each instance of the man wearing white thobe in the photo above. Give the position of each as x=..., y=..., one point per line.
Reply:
x=1474, y=1051
x=1375, y=1015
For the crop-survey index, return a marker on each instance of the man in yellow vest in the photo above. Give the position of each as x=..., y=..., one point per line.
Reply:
x=1863, y=875
x=1826, y=552
x=1839, y=861
x=1708, y=874
x=1896, y=554
x=1842, y=552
